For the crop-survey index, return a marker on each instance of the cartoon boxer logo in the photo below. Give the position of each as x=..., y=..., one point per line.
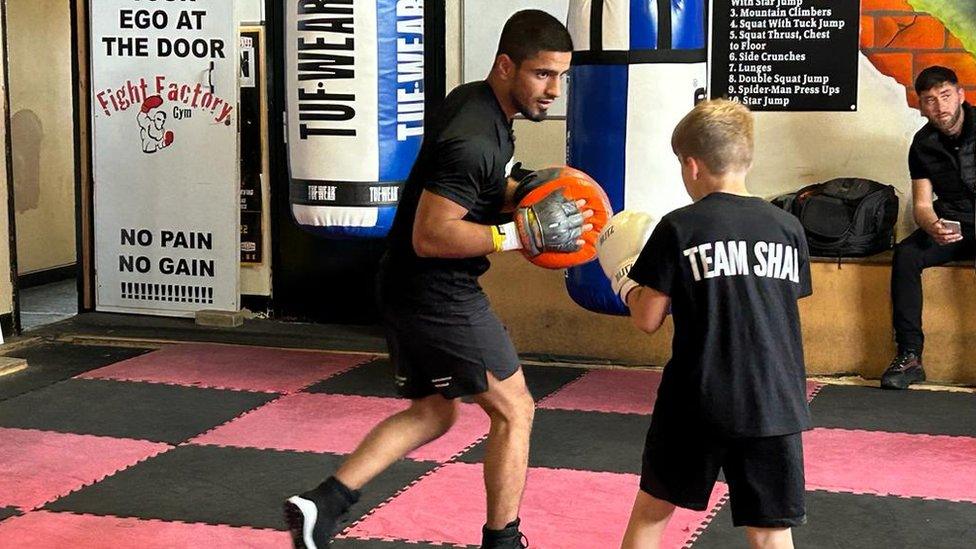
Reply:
x=152, y=122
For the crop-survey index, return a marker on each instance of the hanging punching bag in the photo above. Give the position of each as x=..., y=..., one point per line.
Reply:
x=355, y=111
x=638, y=68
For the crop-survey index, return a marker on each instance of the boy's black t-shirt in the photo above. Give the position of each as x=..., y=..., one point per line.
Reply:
x=734, y=268
x=464, y=158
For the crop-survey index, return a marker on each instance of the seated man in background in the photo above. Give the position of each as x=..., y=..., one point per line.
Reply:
x=942, y=161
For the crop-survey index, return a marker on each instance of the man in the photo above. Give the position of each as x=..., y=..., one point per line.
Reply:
x=444, y=340
x=942, y=162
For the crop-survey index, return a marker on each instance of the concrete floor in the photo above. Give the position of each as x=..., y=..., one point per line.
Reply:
x=49, y=303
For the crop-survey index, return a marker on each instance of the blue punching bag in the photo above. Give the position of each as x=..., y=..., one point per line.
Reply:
x=355, y=111
x=638, y=68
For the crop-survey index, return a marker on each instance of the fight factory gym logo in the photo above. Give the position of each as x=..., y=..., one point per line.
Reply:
x=160, y=101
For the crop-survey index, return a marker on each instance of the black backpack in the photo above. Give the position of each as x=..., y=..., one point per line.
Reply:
x=845, y=217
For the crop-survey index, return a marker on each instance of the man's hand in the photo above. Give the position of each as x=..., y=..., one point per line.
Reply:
x=941, y=234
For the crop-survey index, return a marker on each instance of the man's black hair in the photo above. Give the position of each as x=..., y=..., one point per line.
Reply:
x=529, y=32
x=933, y=77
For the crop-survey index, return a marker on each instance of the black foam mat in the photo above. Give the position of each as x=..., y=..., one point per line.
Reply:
x=53, y=362
x=588, y=441
x=7, y=512
x=147, y=411
x=855, y=521
x=375, y=378
x=911, y=411
x=216, y=485
x=545, y=380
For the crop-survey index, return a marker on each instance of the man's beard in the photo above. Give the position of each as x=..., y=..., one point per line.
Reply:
x=524, y=110
x=946, y=126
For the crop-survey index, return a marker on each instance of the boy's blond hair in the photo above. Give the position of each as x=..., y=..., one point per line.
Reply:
x=719, y=133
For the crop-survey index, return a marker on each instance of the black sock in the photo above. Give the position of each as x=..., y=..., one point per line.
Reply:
x=509, y=528
x=345, y=496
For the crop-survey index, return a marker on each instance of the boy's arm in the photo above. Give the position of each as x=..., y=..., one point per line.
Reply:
x=648, y=308
x=629, y=261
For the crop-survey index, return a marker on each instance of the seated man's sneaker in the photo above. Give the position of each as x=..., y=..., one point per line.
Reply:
x=507, y=538
x=313, y=517
x=905, y=369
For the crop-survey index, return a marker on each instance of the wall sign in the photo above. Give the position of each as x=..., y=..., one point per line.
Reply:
x=165, y=155
x=786, y=55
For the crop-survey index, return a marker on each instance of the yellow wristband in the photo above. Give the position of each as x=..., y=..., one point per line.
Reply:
x=505, y=237
x=497, y=237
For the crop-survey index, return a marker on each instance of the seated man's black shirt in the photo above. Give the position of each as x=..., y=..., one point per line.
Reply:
x=950, y=164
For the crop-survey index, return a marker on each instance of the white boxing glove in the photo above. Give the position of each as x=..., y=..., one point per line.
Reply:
x=620, y=242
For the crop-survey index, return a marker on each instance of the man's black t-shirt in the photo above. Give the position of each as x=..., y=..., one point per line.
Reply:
x=734, y=268
x=949, y=163
x=464, y=158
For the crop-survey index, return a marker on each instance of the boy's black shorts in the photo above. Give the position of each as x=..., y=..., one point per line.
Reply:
x=765, y=475
x=447, y=352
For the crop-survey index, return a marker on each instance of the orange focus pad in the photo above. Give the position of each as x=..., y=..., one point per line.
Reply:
x=576, y=185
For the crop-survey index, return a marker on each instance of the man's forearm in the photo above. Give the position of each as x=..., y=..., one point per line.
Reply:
x=924, y=215
x=455, y=239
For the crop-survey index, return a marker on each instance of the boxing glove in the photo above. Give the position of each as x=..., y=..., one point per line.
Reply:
x=151, y=102
x=619, y=244
x=553, y=223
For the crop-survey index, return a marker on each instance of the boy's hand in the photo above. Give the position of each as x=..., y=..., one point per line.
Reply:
x=618, y=246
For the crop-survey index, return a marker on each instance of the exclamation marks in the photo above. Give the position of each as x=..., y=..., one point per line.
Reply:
x=176, y=293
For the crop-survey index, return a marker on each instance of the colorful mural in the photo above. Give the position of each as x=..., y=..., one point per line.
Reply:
x=902, y=37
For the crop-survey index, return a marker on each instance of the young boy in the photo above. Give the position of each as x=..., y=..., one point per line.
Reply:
x=733, y=396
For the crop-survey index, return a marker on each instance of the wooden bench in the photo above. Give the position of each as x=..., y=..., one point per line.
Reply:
x=846, y=322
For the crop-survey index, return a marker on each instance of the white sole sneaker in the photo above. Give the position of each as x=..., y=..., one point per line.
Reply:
x=301, y=515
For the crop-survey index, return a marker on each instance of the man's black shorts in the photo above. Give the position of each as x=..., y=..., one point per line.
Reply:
x=765, y=475
x=447, y=352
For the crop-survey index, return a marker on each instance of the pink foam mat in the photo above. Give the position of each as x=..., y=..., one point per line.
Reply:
x=561, y=508
x=46, y=529
x=231, y=367
x=336, y=424
x=622, y=391
x=870, y=462
x=38, y=466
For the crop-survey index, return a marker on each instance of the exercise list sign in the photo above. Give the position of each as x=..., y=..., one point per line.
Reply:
x=786, y=55
x=165, y=155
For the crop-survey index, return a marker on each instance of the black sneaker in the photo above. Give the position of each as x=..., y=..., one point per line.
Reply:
x=315, y=516
x=905, y=369
x=506, y=538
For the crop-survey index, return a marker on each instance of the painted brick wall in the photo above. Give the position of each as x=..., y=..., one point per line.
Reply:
x=901, y=42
